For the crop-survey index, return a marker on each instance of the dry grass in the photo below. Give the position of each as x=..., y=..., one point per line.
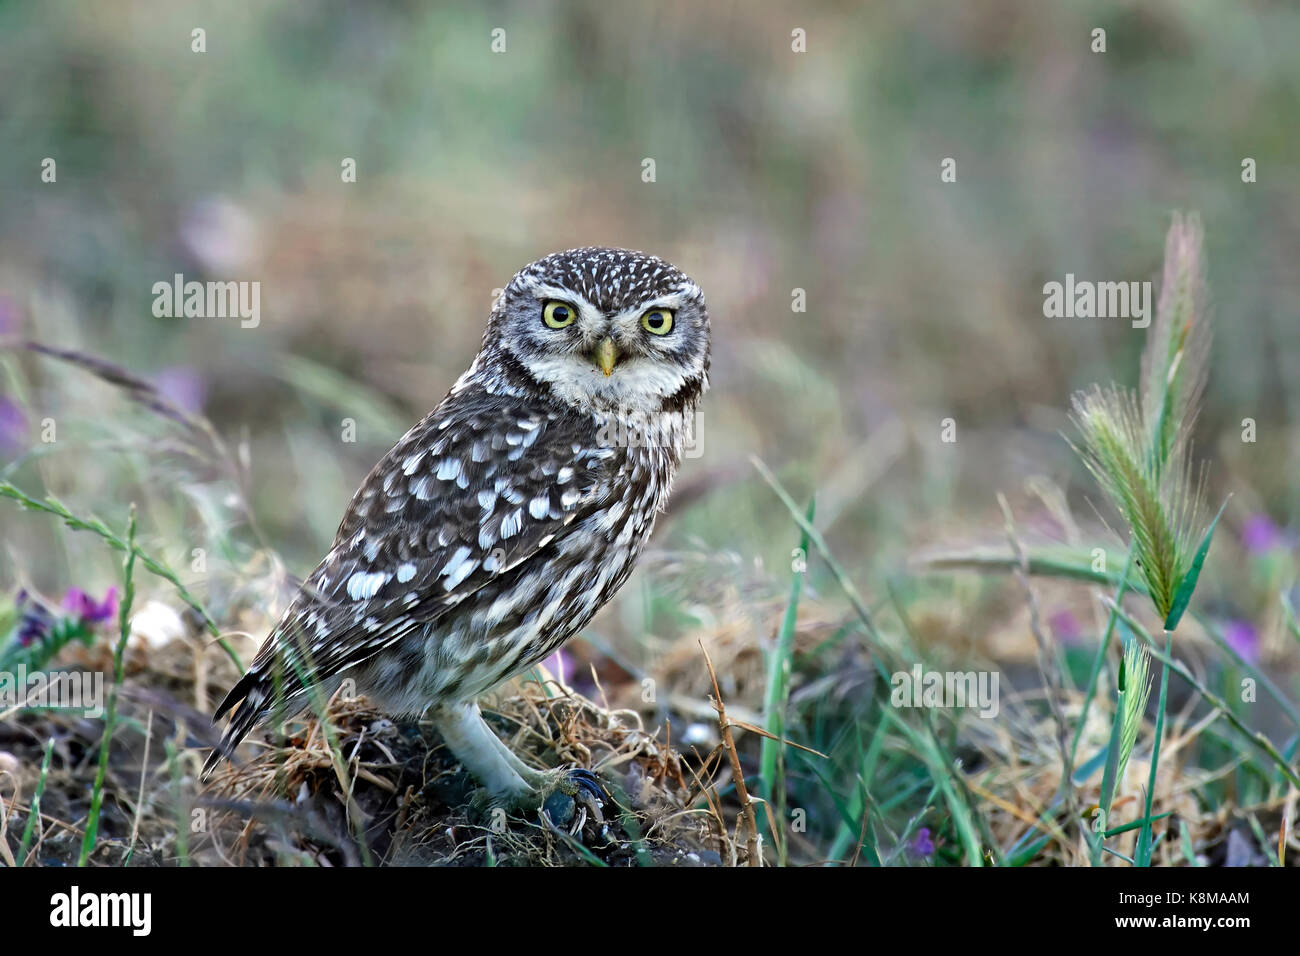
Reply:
x=395, y=791
x=398, y=786
x=394, y=796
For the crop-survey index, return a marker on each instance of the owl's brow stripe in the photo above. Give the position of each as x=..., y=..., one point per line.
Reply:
x=547, y=291
x=594, y=272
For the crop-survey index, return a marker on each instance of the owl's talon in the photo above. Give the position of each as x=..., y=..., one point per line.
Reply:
x=577, y=795
x=582, y=781
x=560, y=808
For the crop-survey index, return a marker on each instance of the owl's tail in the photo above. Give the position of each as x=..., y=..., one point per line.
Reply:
x=251, y=693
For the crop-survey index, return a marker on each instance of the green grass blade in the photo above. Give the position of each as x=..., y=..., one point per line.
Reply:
x=846, y=816
x=34, y=811
x=110, y=712
x=1093, y=764
x=53, y=506
x=1108, y=782
x=1289, y=612
x=1183, y=596
x=779, y=668
x=1144, y=847
x=1137, y=823
x=941, y=773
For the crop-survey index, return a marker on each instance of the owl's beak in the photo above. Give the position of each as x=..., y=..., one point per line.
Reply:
x=605, y=356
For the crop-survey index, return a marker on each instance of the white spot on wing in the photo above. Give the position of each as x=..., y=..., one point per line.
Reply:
x=363, y=586
x=420, y=488
x=452, y=567
x=463, y=570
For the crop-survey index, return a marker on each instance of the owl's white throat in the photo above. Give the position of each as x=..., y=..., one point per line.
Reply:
x=638, y=385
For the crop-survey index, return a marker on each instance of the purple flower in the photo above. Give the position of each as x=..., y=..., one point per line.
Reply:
x=182, y=386
x=1242, y=637
x=33, y=620
x=86, y=609
x=13, y=427
x=922, y=845
x=1259, y=535
x=32, y=627
x=1065, y=626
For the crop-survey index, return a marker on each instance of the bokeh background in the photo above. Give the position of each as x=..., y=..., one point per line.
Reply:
x=775, y=170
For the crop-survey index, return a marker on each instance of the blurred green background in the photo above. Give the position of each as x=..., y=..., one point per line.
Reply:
x=775, y=171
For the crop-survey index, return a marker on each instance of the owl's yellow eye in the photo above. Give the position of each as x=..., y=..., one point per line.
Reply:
x=558, y=314
x=658, y=321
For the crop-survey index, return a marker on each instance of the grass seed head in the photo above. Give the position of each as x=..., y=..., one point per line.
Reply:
x=1134, y=689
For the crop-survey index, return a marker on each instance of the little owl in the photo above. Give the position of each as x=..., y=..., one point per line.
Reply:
x=498, y=525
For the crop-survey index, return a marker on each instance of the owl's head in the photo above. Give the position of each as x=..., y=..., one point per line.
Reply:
x=601, y=329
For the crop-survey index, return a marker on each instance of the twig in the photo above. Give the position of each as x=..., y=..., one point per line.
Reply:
x=737, y=772
x=144, y=769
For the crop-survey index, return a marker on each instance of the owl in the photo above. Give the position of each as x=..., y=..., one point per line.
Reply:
x=494, y=529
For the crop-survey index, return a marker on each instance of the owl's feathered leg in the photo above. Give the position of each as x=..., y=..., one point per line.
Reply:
x=569, y=781
x=536, y=779
x=507, y=779
x=505, y=776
